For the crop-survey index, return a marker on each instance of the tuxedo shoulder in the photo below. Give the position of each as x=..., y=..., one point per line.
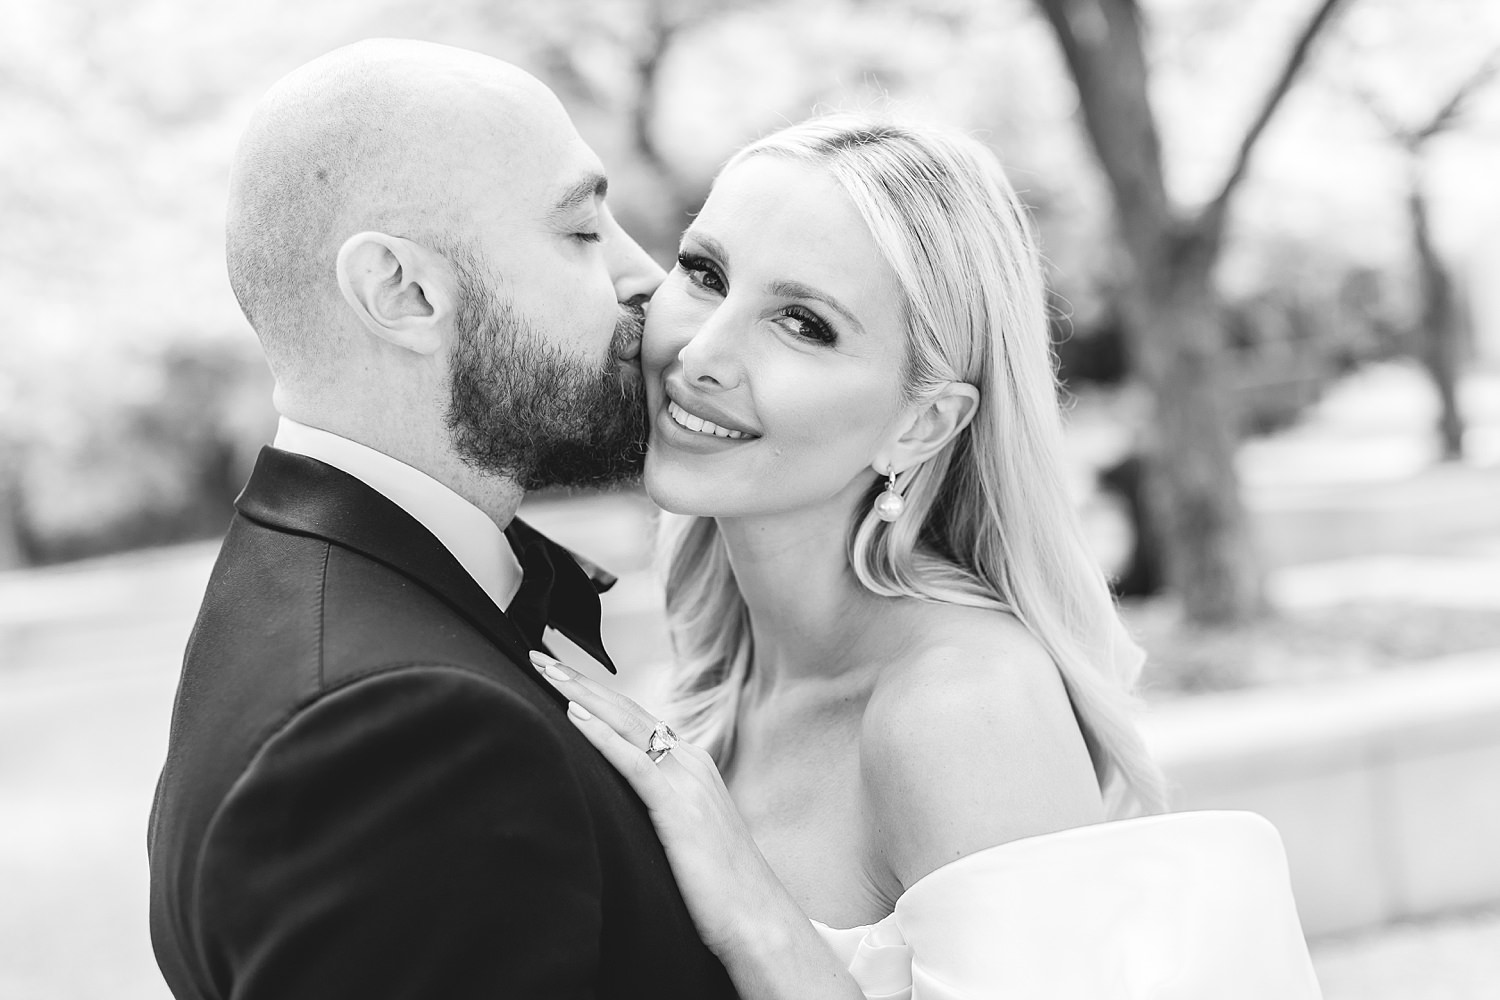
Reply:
x=416, y=765
x=414, y=723
x=290, y=621
x=373, y=615
x=433, y=697
x=410, y=715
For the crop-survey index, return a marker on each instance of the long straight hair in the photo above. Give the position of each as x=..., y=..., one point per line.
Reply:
x=988, y=521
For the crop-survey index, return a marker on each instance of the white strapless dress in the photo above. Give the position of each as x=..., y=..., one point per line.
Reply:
x=1186, y=906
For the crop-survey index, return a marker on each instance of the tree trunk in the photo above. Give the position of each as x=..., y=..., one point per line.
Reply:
x=1439, y=341
x=1175, y=331
x=12, y=552
x=1172, y=321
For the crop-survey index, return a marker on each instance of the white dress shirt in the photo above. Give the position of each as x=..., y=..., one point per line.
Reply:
x=466, y=531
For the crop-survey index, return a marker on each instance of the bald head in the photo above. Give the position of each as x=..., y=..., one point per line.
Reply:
x=402, y=137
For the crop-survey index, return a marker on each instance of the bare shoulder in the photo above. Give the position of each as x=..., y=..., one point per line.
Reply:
x=969, y=740
x=963, y=664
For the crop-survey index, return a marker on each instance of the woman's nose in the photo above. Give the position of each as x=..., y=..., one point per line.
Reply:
x=711, y=357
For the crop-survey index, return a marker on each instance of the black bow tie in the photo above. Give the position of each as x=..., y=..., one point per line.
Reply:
x=557, y=589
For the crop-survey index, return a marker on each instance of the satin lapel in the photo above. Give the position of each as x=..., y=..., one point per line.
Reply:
x=307, y=497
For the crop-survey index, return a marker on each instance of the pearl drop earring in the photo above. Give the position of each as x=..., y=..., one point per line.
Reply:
x=890, y=504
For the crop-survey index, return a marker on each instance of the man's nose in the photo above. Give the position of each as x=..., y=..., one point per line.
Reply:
x=635, y=274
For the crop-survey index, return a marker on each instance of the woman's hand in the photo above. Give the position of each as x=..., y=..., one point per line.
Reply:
x=737, y=903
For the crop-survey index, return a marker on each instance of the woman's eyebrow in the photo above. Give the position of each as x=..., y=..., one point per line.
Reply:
x=708, y=243
x=797, y=290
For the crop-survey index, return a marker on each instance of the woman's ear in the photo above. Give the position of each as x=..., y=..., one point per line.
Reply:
x=927, y=428
x=401, y=291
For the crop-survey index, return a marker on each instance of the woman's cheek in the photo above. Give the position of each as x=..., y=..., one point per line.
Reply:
x=830, y=417
x=668, y=327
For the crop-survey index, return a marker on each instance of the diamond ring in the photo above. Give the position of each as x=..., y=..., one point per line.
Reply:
x=662, y=740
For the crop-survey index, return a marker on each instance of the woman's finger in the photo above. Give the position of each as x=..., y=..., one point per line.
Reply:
x=649, y=783
x=622, y=715
x=690, y=760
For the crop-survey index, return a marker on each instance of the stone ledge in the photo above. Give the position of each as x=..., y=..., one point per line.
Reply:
x=1309, y=523
x=1386, y=789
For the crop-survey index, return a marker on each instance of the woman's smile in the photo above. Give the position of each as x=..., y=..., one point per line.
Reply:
x=688, y=421
x=679, y=429
x=700, y=425
x=696, y=412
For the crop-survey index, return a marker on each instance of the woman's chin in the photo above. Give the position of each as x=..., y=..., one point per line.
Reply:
x=678, y=491
x=669, y=499
x=660, y=488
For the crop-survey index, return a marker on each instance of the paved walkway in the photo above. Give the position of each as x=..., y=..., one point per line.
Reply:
x=1457, y=958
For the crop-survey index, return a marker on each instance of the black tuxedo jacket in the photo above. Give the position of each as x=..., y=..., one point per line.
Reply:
x=369, y=794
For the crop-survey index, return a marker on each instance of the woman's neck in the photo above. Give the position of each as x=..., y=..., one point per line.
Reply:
x=807, y=608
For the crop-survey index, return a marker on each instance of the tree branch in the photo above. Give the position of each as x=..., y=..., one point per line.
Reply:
x=1413, y=137
x=1444, y=117
x=1392, y=126
x=1211, y=219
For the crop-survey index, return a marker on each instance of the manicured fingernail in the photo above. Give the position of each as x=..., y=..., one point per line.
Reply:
x=577, y=711
x=555, y=672
x=540, y=659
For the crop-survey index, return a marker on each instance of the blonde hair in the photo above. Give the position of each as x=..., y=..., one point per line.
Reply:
x=988, y=522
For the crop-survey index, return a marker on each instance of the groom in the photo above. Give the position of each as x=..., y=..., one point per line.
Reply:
x=368, y=793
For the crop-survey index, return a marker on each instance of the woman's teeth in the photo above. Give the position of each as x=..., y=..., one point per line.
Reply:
x=698, y=425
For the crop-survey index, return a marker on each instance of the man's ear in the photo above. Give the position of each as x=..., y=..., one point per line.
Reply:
x=930, y=426
x=401, y=291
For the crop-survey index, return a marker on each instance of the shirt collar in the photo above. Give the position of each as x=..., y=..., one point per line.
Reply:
x=465, y=531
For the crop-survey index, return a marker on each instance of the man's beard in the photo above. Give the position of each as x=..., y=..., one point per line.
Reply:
x=523, y=409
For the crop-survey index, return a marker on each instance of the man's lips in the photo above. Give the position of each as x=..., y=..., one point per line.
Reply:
x=629, y=350
x=628, y=332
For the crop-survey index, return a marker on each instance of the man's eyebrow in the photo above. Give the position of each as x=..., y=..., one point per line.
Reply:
x=586, y=189
x=797, y=290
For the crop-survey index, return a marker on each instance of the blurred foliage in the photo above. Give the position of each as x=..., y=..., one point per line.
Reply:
x=132, y=397
x=156, y=454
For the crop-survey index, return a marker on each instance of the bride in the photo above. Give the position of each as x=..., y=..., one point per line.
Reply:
x=901, y=683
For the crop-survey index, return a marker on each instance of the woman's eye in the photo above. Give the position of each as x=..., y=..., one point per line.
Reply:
x=587, y=237
x=702, y=272
x=808, y=325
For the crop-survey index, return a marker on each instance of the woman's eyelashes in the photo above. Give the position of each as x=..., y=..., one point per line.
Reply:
x=799, y=321
x=702, y=272
x=808, y=325
x=587, y=237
